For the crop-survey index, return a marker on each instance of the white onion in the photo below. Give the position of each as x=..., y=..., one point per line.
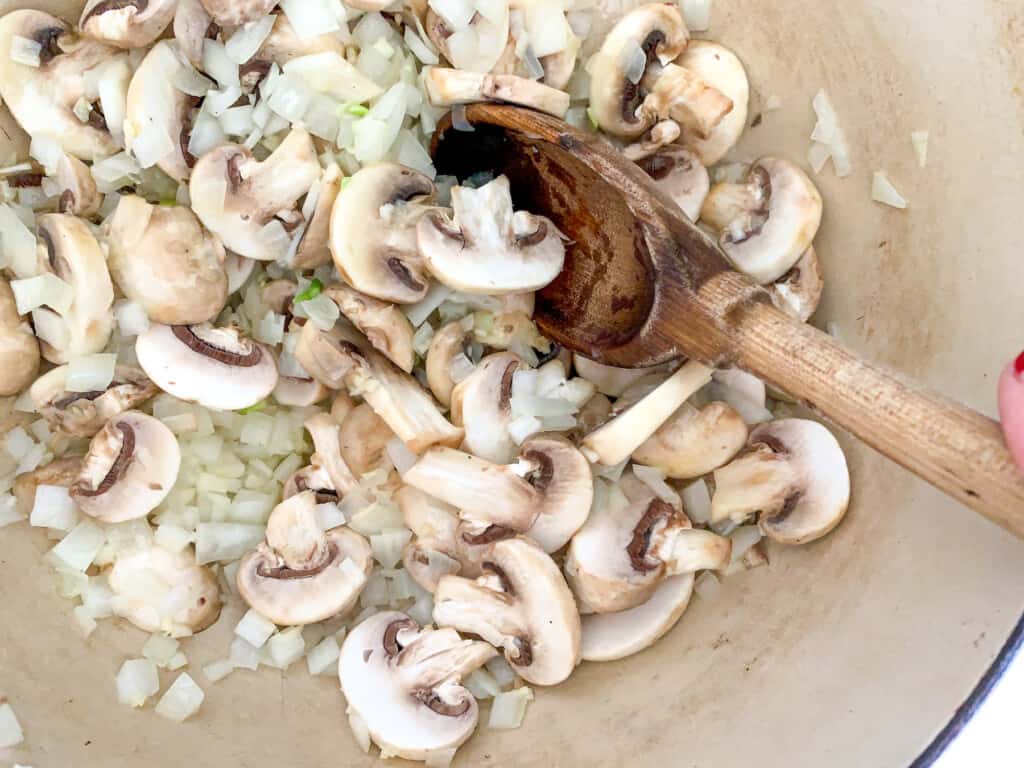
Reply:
x=42, y=290
x=152, y=145
x=697, y=501
x=482, y=684
x=285, y=648
x=310, y=18
x=219, y=65
x=47, y=151
x=375, y=593
x=25, y=51
x=9, y=513
x=419, y=47
x=10, y=729
x=17, y=243
x=321, y=311
x=182, y=699
x=86, y=624
x=321, y=117
x=160, y=649
x=421, y=310
x=456, y=13
x=400, y=455
x=255, y=629
x=654, y=479
x=377, y=131
x=819, y=155
x=247, y=39
x=387, y=546
x=522, y=427
x=459, y=120
x=137, y=681
x=17, y=443
x=218, y=670
x=114, y=172
x=920, y=142
x=290, y=100
x=173, y=538
x=237, y=121
x=460, y=367
x=883, y=191
x=360, y=730
x=373, y=518
x=509, y=708
x=90, y=373
x=829, y=131
x=422, y=339
x=323, y=655
x=225, y=541
x=503, y=673
x=114, y=77
x=547, y=28
x=53, y=508
x=187, y=80
x=131, y=318
x=743, y=538
x=412, y=154
x=79, y=548
x=697, y=14
x=243, y=655
x=708, y=587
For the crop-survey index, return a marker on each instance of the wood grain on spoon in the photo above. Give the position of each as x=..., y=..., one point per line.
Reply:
x=642, y=285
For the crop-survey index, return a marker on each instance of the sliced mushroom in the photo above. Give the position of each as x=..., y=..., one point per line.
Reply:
x=624, y=70
x=302, y=574
x=342, y=358
x=615, y=441
x=326, y=434
x=235, y=13
x=520, y=604
x=384, y=324
x=768, y=223
x=694, y=441
x=482, y=404
x=163, y=259
x=69, y=250
x=373, y=232
x=282, y=44
x=83, y=414
x=19, y=350
x=155, y=104
x=364, y=436
x=78, y=193
x=679, y=174
x=720, y=68
x=689, y=100
x=546, y=495
x=299, y=392
x=613, y=636
x=486, y=248
x=434, y=550
x=258, y=198
x=798, y=292
x=403, y=684
x=42, y=98
x=479, y=46
x=61, y=472
x=659, y=137
x=314, y=247
x=793, y=475
x=162, y=591
x=218, y=368
x=239, y=271
x=131, y=466
x=192, y=25
x=448, y=342
x=126, y=23
x=626, y=550
x=450, y=87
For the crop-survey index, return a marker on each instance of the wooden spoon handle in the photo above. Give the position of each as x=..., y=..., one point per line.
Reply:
x=956, y=449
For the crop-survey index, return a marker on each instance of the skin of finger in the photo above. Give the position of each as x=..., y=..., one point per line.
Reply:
x=1011, y=410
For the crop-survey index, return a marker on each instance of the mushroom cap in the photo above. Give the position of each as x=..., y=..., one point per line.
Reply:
x=19, y=350
x=42, y=98
x=163, y=259
x=256, y=191
x=83, y=414
x=384, y=325
x=694, y=441
x=314, y=248
x=794, y=473
x=364, y=436
x=72, y=253
x=373, y=232
x=154, y=103
x=218, y=368
x=235, y=13
x=660, y=33
x=522, y=605
x=679, y=173
x=486, y=248
x=482, y=404
x=563, y=479
x=326, y=434
x=798, y=292
x=767, y=224
x=192, y=25
x=293, y=592
x=613, y=636
x=126, y=23
x=162, y=591
x=404, y=684
x=131, y=466
x=720, y=68
x=446, y=344
x=62, y=472
x=78, y=195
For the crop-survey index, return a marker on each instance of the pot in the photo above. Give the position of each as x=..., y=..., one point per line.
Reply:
x=865, y=648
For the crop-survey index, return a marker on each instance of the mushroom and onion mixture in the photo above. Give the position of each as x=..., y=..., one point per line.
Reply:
x=253, y=348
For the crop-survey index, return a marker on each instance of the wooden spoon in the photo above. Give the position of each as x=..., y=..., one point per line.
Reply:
x=642, y=285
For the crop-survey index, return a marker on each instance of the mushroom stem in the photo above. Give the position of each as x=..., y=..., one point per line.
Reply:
x=689, y=100
x=294, y=533
x=739, y=207
x=759, y=481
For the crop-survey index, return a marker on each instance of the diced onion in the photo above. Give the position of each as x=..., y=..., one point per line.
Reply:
x=218, y=670
x=654, y=479
x=509, y=709
x=131, y=318
x=173, y=538
x=10, y=729
x=522, y=427
x=285, y=648
x=17, y=243
x=79, y=548
x=237, y=121
x=187, y=80
x=707, y=586
x=546, y=28
x=503, y=673
x=697, y=502
x=828, y=131
x=310, y=18
x=182, y=699
x=634, y=62
x=54, y=508
x=243, y=655
x=225, y=541
x=883, y=191
x=920, y=142
x=440, y=758
x=697, y=14
x=219, y=65
x=387, y=546
x=115, y=74
x=43, y=290
x=412, y=154
x=819, y=155
x=25, y=51
x=322, y=657
x=321, y=311
x=247, y=39
x=482, y=684
x=9, y=513
x=152, y=145
x=90, y=373
x=160, y=649
x=457, y=13
x=743, y=538
x=400, y=455
x=420, y=49
x=360, y=730
x=137, y=681
x=47, y=151
x=255, y=629
x=420, y=311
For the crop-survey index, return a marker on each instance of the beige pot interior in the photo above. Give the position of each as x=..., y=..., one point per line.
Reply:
x=853, y=651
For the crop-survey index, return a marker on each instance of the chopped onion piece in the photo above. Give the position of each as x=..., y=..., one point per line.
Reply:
x=160, y=649
x=187, y=80
x=323, y=656
x=247, y=39
x=654, y=479
x=743, y=538
x=237, y=121
x=460, y=367
x=459, y=119
x=131, y=318
x=400, y=455
x=25, y=51
x=218, y=670
x=440, y=758
x=534, y=69
x=285, y=648
x=697, y=501
x=79, y=548
x=634, y=62
x=360, y=730
x=522, y=427
x=225, y=541
x=17, y=243
x=482, y=684
x=509, y=708
x=883, y=191
x=503, y=673
x=54, y=508
x=819, y=155
x=547, y=30
x=90, y=373
x=219, y=65
x=255, y=629
x=829, y=131
x=387, y=546
x=697, y=14
x=707, y=586
x=9, y=513
x=421, y=310
x=420, y=48
x=182, y=699
x=137, y=681
x=243, y=655
x=920, y=141
x=47, y=151
x=457, y=13
x=310, y=18
x=322, y=311
x=152, y=145
x=42, y=290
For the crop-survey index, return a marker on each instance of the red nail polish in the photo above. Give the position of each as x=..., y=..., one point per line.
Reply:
x=1018, y=365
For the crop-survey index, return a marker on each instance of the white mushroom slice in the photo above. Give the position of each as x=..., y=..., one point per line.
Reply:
x=722, y=69
x=626, y=67
x=798, y=292
x=326, y=434
x=83, y=414
x=192, y=25
x=477, y=47
x=448, y=342
x=42, y=98
x=240, y=199
x=302, y=574
x=520, y=604
x=235, y=13
x=679, y=174
x=364, y=436
x=450, y=87
x=19, y=350
x=156, y=107
x=793, y=474
x=434, y=550
x=626, y=549
x=403, y=685
x=768, y=223
x=609, y=380
x=70, y=251
x=239, y=271
x=78, y=193
x=162, y=591
x=373, y=232
x=282, y=44
x=60, y=472
x=126, y=23
x=163, y=260
x=131, y=466
x=616, y=440
x=314, y=247
x=687, y=99
x=482, y=404
x=342, y=358
x=384, y=324
x=694, y=441
x=613, y=636
x=218, y=368
x=486, y=248
x=299, y=392
x=546, y=495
